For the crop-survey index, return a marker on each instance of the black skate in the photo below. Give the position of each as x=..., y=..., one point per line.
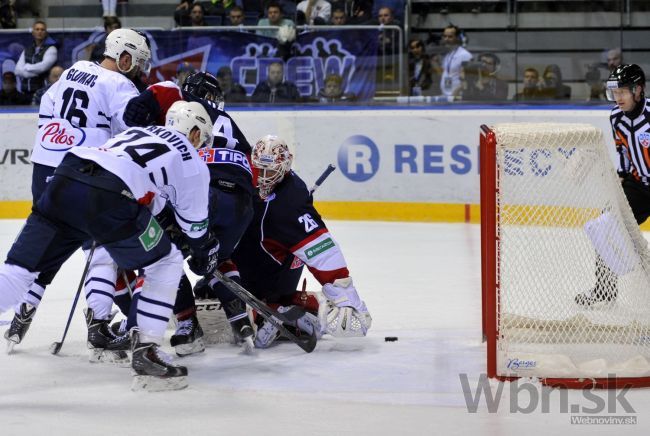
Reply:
x=596, y=295
x=153, y=369
x=242, y=329
x=105, y=346
x=19, y=326
x=188, y=337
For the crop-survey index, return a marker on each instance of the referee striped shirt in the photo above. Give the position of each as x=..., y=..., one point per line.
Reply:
x=632, y=138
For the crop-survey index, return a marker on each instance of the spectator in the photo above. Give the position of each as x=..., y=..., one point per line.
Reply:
x=110, y=8
x=236, y=16
x=182, y=13
x=8, y=14
x=388, y=38
x=233, y=92
x=55, y=73
x=36, y=60
x=485, y=86
x=274, y=89
x=10, y=96
x=530, y=90
x=273, y=18
x=614, y=58
x=332, y=92
x=313, y=12
x=98, y=48
x=419, y=68
x=197, y=14
x=451, y=65
x=184, y=69
x=217, y=7
x=339, y=18
x=552, y=87
x=396, y=6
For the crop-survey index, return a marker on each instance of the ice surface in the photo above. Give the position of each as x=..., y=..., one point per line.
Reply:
x=421, y=283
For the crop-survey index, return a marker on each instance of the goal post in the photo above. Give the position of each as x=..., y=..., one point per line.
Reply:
x=552, y=208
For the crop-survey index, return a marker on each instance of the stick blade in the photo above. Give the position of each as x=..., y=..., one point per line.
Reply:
x=55, y=347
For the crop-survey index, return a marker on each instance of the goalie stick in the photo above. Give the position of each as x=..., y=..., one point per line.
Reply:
x=307, y=343
x=56, y=346
x=319, y=181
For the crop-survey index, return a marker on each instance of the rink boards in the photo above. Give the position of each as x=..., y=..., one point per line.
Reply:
x=398, y=164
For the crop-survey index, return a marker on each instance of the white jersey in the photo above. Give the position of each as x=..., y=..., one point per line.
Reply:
x=84, y=107
x=452, y=63
x=159, y=165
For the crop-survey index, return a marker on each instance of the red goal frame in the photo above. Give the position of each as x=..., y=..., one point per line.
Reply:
x=490, y=268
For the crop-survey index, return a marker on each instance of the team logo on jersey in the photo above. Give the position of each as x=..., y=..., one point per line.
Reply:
x=644, y=139
x=296, y=263
x=152, y=235
x=60, y=135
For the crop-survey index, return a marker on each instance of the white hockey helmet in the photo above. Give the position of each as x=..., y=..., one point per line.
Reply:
x=132, y=42
x=183, y=116
x=272, y=158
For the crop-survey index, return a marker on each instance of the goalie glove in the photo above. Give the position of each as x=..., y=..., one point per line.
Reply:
x=343, y=314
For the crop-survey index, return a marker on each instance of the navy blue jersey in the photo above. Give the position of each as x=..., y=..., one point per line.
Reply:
x=287, y=229
x=231, y=164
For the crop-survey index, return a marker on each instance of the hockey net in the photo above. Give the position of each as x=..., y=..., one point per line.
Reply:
x=552, y=206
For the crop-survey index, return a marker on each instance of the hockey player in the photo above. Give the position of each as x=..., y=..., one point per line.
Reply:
x=110, y=195
x=630, y=121
x=231, y=191
x=83, y=108
x=287, y=233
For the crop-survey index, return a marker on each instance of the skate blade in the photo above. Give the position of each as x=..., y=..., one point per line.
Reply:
x=11, y=343
x=119, y=358
x=152, y=383
x=248, y=346
x=197, y=346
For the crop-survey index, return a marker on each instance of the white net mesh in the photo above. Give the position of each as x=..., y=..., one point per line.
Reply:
x=574, y=294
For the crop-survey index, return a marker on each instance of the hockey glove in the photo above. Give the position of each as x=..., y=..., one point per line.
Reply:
x=343, y=314
x=142, y=110
x=203, y=260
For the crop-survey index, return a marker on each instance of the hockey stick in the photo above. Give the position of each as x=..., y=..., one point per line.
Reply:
x=307, y=343
x=56, y=346
x=319, y=181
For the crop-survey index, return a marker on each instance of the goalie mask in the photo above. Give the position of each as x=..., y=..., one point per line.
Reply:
x=184, y=116
x=132, y=42
x=272, y=160
x=204, y=85
x=624, y=76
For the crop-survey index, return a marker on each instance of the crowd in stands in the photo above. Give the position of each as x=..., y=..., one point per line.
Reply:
x=441, y=66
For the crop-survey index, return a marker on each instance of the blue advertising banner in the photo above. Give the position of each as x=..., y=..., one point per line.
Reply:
x=350, y=54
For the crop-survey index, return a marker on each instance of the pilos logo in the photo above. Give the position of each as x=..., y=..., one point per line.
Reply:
x=644, y=139
x=58, y=136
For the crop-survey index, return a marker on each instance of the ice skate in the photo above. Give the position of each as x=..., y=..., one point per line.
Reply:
x=19, y=326
x=153, y=369
x=595, y=296
x=188, y=338
x=104, y=345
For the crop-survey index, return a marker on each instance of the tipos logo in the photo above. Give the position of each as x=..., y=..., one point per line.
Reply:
x=358, y=158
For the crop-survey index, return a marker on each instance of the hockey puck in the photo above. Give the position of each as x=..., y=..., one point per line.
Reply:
x=390, y=339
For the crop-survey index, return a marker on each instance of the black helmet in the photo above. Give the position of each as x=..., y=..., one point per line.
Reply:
x=625, y=76
x=204, y=85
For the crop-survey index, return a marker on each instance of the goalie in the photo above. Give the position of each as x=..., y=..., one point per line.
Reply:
x=630, y=119
x=285, y=234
